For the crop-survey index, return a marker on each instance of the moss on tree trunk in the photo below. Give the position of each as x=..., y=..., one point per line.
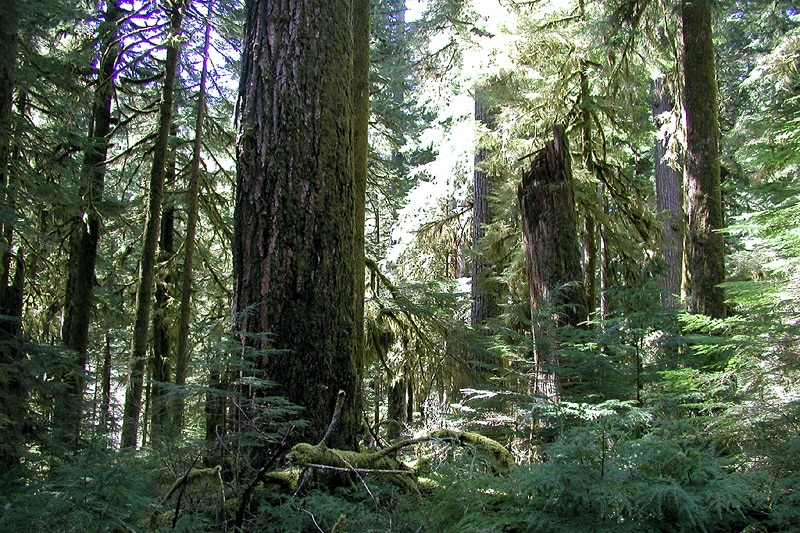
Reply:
x=706, y=246
x=294, y=249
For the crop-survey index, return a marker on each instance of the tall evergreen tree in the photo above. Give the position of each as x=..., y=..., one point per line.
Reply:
x=144, y=293
x=294, y=224
x=161, y=354
x=84, y=239
x=12, y=397
x=669, y=198
x=552, y=256
x=189, y=245
x=484, y=301
x=706, y=246
x=360, y=95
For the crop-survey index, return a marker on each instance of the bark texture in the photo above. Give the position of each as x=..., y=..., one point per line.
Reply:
x=9, y=48
x=163, y=334
x=484, y=300
x=590, y=225
x=707, y=258
x=552, y=255
x=294, y=270
x=669, y=200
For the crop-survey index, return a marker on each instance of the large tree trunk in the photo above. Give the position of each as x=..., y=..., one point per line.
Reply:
x=79, y=301
x=13, y=391
x=707, y=258
x=552, y=256
x=144, y=293
x=9, y=47
x=294, y=257
x=669, y=200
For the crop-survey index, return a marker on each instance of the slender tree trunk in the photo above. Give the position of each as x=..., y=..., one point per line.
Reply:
x=105, y=389
x=9, y=46
x=589, y=234
x=79, y=302
x=215, y=413
x=589, y=237
x=144, y=294
x=12, y=381
x=160, y=366
x=604, y=262
x=707, y=257
x=182, y=355
x=360, y=95
x=552, y=256
x=484, y=299
x=669, y=201
x=294, y=254
x=484, y=293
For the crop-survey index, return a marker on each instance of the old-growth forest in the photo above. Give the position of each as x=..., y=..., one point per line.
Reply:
x=400, y=265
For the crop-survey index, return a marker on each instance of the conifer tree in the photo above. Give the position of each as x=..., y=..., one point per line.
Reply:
x=294, y=224
x=84, y=239
x=12, y=397
x=669, y=198
x=144, y=293
x=706, y=245
x=484, y=301
x=361, y=107
x=552, y=256
x=192, y=215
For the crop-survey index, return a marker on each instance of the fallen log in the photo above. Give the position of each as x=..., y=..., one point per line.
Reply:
x=383, y=463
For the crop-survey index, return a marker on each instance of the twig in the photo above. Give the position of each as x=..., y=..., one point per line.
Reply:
x=351, y=468
x=334, y=419
x=222, y=497
x=180, y=483
x=313, y=520
x=304, y=475
x=180, y=494
x=337, y=411
x=251, y=423
x=259, y=477
x=377, y=438
x=360, y=470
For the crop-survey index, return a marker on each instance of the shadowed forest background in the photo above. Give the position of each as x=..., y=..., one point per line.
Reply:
x=353, y=265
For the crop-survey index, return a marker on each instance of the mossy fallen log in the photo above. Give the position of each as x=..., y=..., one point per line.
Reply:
x=180, y=484
x=382, y=461
x=321, y=457
x=500, y=457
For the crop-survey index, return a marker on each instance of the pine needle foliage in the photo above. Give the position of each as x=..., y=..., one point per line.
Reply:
x=100, y=489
